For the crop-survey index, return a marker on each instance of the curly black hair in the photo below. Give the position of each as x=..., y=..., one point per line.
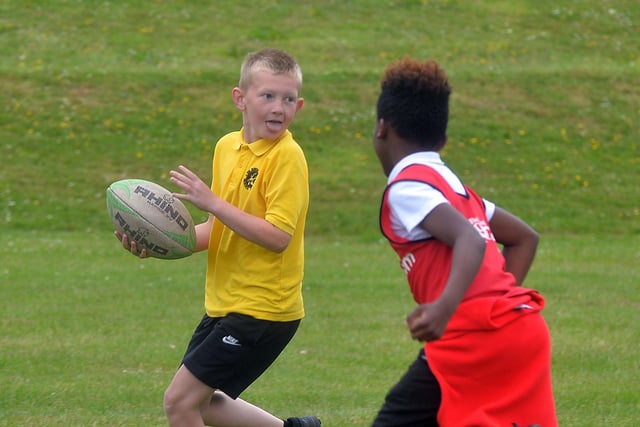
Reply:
x=414, y=101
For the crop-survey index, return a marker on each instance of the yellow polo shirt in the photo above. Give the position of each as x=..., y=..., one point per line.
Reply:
x=268, y=179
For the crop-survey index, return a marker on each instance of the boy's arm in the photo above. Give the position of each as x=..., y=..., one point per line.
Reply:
x=428, y=322
x=519, y=242
x=255, y=229
x=203, y=230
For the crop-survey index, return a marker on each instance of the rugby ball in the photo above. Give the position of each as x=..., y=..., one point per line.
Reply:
x=149, y=214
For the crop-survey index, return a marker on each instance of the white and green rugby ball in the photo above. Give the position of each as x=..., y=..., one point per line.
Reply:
x=149, y=214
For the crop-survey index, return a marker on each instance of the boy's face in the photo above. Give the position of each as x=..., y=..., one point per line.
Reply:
x=268, y=105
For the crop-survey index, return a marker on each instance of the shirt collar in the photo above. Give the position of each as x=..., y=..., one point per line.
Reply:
x=422, y=157
x=260, y=146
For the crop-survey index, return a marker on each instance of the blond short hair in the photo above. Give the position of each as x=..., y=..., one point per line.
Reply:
x=274, y=61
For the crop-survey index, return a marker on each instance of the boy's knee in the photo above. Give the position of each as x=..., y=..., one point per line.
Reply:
x=172, y=402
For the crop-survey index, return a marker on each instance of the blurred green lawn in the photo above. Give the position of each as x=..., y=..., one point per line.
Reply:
x=544, y=121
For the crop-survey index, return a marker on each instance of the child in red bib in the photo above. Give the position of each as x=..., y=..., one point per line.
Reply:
x=485, y=341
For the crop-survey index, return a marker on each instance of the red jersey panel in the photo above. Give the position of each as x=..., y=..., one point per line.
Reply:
x=427, y=263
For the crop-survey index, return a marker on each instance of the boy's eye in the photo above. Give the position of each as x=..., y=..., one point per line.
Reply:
x=271, y=97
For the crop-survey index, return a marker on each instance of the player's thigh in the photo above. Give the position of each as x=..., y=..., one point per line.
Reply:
x=186, y=390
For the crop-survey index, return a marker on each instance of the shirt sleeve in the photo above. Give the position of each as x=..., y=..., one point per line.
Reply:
x=489, y=208
x=412, y=201
x=287, y=195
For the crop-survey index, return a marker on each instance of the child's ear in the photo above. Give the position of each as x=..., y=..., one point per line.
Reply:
x=238, y=98
x=299, y=104
x=381, y=130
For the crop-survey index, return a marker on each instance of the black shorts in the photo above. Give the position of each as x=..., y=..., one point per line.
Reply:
x=414, y=400
x=229, y=353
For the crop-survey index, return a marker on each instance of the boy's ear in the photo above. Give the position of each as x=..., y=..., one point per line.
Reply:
x=238, y=98
x=382, y=129
x=299, y=104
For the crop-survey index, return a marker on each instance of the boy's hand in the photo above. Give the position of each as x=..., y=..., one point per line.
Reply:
x=195, y=190
x=130, y=246
x=427, y=322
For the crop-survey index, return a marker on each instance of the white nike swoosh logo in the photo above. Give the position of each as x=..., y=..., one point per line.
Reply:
x=231, y=340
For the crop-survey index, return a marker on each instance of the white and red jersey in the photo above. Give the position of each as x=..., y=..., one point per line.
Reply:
x=481, y=382
x=425, y=260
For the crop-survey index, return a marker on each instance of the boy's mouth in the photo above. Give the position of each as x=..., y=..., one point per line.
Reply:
x=274, y=125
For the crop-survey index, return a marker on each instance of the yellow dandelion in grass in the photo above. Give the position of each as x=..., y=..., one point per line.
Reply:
x=358, y=136
x=107, y=122
x=64, y=125
x=145, y=30
x=139, y=155
x=473, y=140
x=327, y=128
x=522, y=132
x=595, y=144
x=563, y=134
x=535, y=186
x=507, y=141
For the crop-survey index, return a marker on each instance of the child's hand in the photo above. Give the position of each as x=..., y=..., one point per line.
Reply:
x=195, y=190
x=130, y=246
x=427, y=322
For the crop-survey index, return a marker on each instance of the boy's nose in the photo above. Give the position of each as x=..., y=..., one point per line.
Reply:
x=278, y=107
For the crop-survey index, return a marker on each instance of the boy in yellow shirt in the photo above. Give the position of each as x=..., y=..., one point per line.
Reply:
x=258, y=203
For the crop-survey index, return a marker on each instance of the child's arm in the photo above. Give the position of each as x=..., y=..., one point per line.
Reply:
x=255, y=229
x=428, y=321
x=519, y=241
x=203, y=230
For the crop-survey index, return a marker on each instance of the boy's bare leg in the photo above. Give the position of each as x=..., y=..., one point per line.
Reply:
x=188, y=402
x=222, y=411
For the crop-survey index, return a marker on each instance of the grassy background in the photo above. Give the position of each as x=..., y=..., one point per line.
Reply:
x=544, y=121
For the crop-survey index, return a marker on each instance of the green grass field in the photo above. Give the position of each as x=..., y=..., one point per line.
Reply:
x=545, y=121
